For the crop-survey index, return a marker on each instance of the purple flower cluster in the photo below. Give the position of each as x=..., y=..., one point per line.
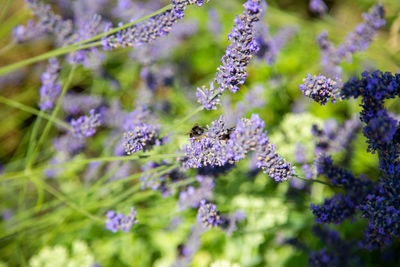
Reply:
x=271, y=45
x=73, y=103
x=318, y=7
x=208, y=215
x=85, y=30
x=358, y=40
x=378, y=202
x=232, y=72
x=140, y=137
x=30, y=31
x=340, y=207
x=220, y=146
x=335, y=137
x=148, y=30
x=85, y=126
x=51, y=87
x=119, y=221
x=48, y=22
x=336, y=251
x=380, y=128
x=320, y=88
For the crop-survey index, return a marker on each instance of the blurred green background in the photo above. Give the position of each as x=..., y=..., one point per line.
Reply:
x=53, y=229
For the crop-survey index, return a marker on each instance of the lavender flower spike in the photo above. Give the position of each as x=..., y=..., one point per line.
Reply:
x=208, y=97
x=119, y=221
x=208, y=215
x=51, y=88
x=232, y=72
x=148, y=30
x=320, y=88
x=140, y=137
x=50, y=22
x=271, y=162
x=85, y=126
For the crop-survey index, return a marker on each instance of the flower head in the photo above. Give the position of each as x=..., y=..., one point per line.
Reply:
x=120, y=221
x=85, y=126
x=208, y=215
x=51, y=87
x=320, y=88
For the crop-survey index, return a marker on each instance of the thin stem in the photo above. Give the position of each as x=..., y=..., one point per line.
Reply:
x=62, y=198
x=181, y=121
x=115, y=30
x=17, y=175
x=53, y=115
x=34, y=111
x=53, y=53
x=77, y=46
x=9, y=46
x=313, y=181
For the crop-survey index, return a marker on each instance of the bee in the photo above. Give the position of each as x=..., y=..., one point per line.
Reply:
x=226, y=136
x=196, y=131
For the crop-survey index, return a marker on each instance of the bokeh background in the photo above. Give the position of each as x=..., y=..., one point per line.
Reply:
x=37, y=226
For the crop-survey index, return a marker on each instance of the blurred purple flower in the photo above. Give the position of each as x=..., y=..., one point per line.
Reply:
x=85, y=126
x=119, y=221
x=318, y=7
x=51, y=87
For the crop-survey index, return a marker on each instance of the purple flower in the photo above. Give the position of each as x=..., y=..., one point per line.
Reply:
x=208, y=97
x=214, y=22
x=120, y=221
x=51, y=87
x=271, y=45
x=191, y=197
x=318, y=7
x=232, y=72
x=320, y=88
x=381, y=129
x=86, y=29
x=364, y=33
x=51, y=23
x=148, y=30
x=29, y=32
x=69, y=143
x=85, y=126
x=208, y=215
x=140, y=137
x=358, y=40
x=74, y=103
x=220, y=146
x=271, y=162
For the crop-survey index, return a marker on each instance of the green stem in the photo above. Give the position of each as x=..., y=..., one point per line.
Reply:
x=314, y=181
x=4, y=49
x=115, y=30
x=175, y=125
x=53, y=53
x=17, y=175
x=5, y=9
x=33, y=111
x=53, y=116
x=62, y=198
x=75, y=47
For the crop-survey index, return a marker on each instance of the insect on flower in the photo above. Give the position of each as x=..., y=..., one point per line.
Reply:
x=196, y=131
